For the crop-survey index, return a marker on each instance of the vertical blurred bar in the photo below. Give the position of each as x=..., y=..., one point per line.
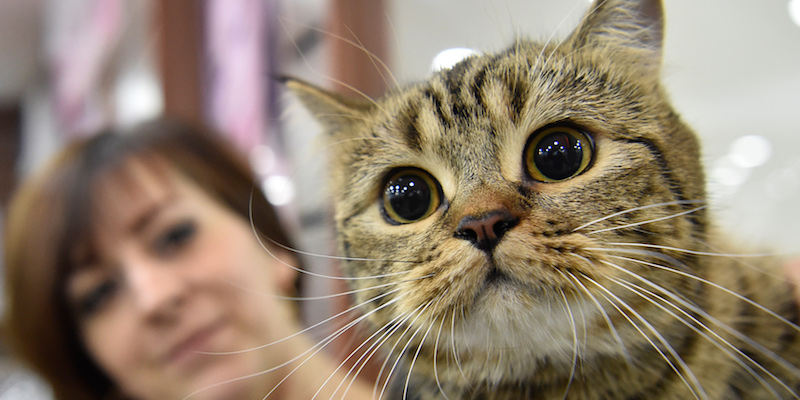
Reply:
x=9, y=152
x=359, y=53
x=353, y=24
x=180, y=50
x=235, y=59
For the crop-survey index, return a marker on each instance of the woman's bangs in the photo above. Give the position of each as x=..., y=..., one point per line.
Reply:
x=104, y=198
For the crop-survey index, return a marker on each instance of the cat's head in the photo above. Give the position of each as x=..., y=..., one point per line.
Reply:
x=503, y=191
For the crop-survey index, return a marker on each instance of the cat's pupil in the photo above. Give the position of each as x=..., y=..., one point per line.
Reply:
x=409, y=196
x=558, y=155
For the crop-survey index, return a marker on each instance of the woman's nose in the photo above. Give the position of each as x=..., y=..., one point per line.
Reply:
x=158, y=288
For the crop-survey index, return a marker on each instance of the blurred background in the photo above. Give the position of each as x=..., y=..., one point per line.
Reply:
x=68, y=67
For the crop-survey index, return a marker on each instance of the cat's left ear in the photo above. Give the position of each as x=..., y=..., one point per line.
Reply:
x=336, y=113
x=636, y=26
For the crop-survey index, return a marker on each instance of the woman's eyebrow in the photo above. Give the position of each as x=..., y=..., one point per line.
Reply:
x=145, y=218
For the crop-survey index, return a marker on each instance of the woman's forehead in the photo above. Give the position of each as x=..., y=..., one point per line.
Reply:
x=123, y=196
x=115, y=197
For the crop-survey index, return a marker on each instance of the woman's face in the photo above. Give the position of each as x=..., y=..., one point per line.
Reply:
x=180, y=276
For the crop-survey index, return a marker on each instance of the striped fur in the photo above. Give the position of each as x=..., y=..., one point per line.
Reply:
x=612, y=284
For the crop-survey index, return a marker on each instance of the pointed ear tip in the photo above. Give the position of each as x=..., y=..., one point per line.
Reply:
x=302, y=88
x=285, y=79
x=296, y=84
x=290, y=81
x=624, y=23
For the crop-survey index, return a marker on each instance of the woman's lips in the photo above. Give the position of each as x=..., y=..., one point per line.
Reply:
x=194, y=345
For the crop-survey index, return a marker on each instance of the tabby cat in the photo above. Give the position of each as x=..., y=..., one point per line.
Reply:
x=532, y=224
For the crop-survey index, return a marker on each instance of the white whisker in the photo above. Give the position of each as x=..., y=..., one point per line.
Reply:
x=387, y=359
x=552, y=36
x=318, y=324
x=649, y=253
x=603, y=313
x=389, y=328
x=302, y=271
x=414, y=359
x=408, y=316
x=453, y=346
x=313, y=350
x=325, y=297
x=418, y=313
x=375, y=60
x=747, y=262
x=613, y=228
x=368, y=354
x=351, y=292
x=694, y=386
x=572, y=324
x=326, y=341
x=687, y=251
x=333, y=257
x=717, y=286
x=435, y=357
x=720, y=342
x=769, y=353
x=666, y=204
x=311, y=67
x=336, y=277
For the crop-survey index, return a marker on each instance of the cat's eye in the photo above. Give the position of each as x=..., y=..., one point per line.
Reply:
x=558, y=153
x=410, y=195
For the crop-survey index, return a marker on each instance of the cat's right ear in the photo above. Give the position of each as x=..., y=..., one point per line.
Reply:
x=335, y=112
x=633, y=25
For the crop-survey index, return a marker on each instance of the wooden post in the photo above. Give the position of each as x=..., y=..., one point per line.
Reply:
x=180, y=51
x=359, y=51
x=9, y=152
x=355, y=23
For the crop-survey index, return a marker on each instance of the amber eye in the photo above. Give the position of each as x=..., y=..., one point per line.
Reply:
x=410, y=195
x=558, y=153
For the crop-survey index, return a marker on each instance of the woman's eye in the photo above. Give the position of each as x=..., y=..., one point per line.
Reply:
x=97, y=297
x=558, y=153
x=175, y=237
x=410, y=195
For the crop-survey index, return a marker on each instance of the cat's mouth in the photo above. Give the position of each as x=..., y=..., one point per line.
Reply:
x=497, y=280
x=497, y=277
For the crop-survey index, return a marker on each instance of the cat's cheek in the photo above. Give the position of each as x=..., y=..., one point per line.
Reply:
x=538, y=260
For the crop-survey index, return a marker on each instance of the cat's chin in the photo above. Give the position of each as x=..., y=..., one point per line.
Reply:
x=503, y=302
x=522, y=327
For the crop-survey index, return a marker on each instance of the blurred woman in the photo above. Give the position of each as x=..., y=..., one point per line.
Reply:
x=133, y=272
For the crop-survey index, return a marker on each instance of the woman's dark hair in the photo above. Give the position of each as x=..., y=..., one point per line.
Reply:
x=51, y=215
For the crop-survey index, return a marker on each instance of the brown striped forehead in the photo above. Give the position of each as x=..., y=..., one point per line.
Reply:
x=530, y=87
x=484, y=99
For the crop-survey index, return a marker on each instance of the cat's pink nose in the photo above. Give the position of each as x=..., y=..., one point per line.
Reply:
x=486, y=231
